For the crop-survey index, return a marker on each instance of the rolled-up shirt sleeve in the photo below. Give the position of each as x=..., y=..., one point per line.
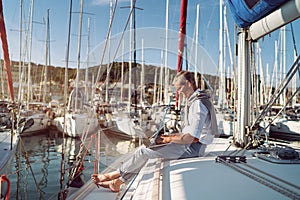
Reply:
x=199, y=123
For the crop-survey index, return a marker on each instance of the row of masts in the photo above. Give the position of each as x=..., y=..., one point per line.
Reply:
x=264, y=84
x=26, y=51
x=223, y=35
x=164, y=71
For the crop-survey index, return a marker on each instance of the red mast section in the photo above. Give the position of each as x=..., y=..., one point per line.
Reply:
x=182, y=33
x=5, y=53
x=181, y=39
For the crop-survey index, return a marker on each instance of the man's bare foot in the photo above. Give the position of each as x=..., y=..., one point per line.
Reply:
x=98, y=178
x=104, y=184
x=113, y=185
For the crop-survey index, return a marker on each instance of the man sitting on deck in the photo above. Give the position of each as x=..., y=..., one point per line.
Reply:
x=200, y=126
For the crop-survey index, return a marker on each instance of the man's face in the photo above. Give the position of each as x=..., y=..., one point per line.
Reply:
x=184, y=88
x=181, y=88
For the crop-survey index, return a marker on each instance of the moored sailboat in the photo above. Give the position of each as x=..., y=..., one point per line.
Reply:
x=79, y=117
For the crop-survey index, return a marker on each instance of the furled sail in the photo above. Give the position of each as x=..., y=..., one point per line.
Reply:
x=246, y=12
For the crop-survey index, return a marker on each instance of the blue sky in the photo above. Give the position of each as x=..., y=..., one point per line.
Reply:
x=152, y=16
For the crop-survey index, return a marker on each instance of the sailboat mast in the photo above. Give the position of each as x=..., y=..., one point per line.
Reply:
x=87, y=61
x=161, y=77
x=142, y=93
x=181, y=40
x=47, y=57
x=182, y=33
x=78, y=53
x=30, y=53
x=5, y=53
x=108, y=49
x=244, y=85
x=196, y=45
x=20, y=53
x=155, y=87
x=134, y=59
x=283, y=60
x=130, y=57
x=122, y=72
x=262, y=90
x=166, y=53
x=221, y=59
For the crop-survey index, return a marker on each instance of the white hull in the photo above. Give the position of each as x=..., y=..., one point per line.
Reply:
x=286, y=126
x=41, y=123
x=125, y=125
x=283, y=129
x=121, y=123
x=76, y=124
x=225, y=126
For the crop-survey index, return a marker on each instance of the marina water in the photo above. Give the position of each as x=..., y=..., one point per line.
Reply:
x=36, y=169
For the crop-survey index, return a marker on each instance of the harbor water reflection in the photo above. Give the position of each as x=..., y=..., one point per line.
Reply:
x=36, y=170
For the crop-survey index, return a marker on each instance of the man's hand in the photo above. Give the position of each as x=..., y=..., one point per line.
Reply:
x=166, y=138
x=163, y=139
x=178, y=138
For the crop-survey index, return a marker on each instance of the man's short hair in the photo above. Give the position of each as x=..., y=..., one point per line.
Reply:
x=183, y=76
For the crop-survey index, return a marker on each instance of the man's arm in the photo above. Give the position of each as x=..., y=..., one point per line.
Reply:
x=178, y=138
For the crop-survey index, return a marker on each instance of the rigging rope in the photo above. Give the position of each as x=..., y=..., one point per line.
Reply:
x=279, y=91
x=107, y=39
x=119, y=44
x=295, y=47
x=78, y=167
x=289, y=101
x=294, y=40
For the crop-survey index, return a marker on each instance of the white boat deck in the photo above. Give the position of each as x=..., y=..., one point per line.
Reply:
x=204, y=178
x=6, y=149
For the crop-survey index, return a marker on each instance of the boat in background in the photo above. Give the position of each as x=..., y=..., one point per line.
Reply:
x=226, y=122
x=282, y=125
x=285, y=129
x=130, y=125
x=41, y=115
x=79, y=119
